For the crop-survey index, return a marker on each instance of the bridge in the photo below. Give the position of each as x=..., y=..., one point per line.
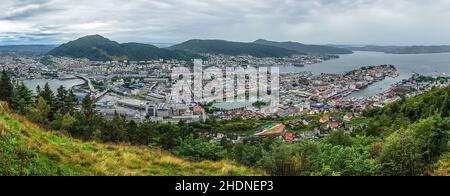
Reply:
x=91, y=87
x=97, y=95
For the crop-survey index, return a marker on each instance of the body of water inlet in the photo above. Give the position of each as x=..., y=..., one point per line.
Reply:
x=406, y=64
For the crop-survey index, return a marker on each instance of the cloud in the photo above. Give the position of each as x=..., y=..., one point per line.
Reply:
x=404, y=22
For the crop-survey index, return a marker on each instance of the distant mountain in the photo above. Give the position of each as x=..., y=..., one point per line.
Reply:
x=26, y=49
x=142, y=52
x=93, y=47
x=233, y=48
x=303, y=48
x=98, y=48
x=404, y=49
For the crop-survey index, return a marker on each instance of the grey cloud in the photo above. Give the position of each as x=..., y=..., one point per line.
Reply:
x=310, y=21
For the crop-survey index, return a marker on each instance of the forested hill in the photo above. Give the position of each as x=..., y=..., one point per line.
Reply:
x=305, y=48
x=416, y=134
x=233, y=48
x=98, y=48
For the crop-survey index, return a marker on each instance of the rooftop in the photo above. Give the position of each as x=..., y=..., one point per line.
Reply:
x=232, y=105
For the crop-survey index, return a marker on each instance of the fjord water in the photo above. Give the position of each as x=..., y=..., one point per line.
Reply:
x=406, y=64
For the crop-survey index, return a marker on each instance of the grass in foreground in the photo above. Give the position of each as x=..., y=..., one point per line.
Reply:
x=27, y=149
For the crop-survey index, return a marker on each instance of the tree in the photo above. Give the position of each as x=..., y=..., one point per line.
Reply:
x=431, y=136
x=401, y=156
x=47, y=94
x=169, y=136
x=133, y=132
x=281, y=160
x=81, y=128
x=117, y=131
x=326, y=170
x=49, y=97
x=6, y=88
x=60, y=99
x=247, y=153
x=198, y=149
x=23, y=99
x=145, y=134
x=38, y=92
x=88, y=107
x=67, y=122
x=40, y=113
x=339, y=138
x=69, y=103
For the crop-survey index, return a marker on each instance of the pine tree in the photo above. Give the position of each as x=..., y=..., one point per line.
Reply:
x=60, y=100
x=49, y=97
x=88, y=107
x=40, y=113
x=23, y=98
x=69, y=103
x=38, y=92
x=48, y=94
x=118, y=129
x=6, y=89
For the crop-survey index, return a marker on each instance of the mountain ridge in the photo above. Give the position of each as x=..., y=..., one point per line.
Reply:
x=99, y=48
x=305, y=48
x=232, y=48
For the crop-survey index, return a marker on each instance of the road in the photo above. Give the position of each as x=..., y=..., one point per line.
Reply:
x=91, y=87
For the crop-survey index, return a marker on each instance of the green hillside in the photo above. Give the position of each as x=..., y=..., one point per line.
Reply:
x=142, y=52
x=26, y=149
x=233, y=48
x=98, y=48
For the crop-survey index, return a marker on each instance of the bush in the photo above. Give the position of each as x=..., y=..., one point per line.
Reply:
x=197, y=149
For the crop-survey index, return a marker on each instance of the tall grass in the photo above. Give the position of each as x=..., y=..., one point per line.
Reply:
x=27, y=149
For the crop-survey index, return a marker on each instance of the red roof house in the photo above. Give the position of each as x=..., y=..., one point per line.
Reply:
x=325, y=119
x=333, y=125
x=289, y=136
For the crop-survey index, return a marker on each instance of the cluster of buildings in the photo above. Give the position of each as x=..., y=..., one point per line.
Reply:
x=413, y=86
x=246, y=114
x=306, y=93
x=321, y=128
x=141, y=110
x=242, y=60
x=28, y=67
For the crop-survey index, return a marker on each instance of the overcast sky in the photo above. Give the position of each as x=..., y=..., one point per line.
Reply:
x=383, y=22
